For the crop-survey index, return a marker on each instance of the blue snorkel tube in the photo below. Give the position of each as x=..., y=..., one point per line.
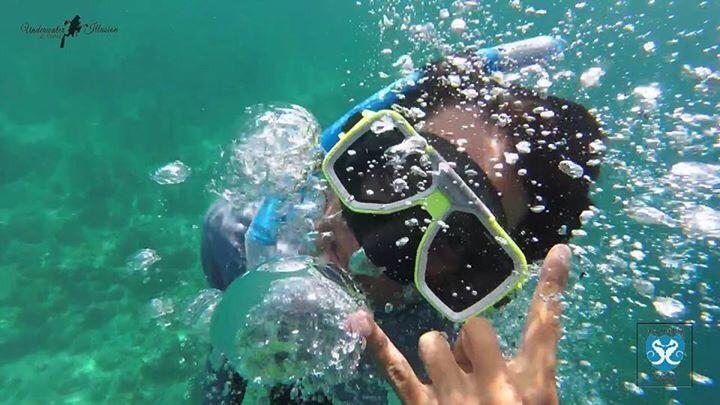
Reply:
x=263, y=230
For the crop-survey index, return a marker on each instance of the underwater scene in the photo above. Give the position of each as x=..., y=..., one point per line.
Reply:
x=204, y=202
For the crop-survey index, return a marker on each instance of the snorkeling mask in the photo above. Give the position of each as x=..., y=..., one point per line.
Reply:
x=382, y=166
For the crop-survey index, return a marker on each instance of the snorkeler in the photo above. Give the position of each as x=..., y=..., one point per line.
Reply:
x=453, y=184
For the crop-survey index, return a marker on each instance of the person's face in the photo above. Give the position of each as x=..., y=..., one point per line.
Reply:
x=484, y=143
x=337, y=243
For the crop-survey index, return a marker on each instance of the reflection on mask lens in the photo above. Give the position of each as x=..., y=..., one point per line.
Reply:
x=383, y=166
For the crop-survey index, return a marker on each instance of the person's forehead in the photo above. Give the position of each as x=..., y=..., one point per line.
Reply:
x=471, y=130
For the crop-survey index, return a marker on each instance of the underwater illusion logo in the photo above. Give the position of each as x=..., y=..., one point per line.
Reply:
x=71, y=28
x=667, y=356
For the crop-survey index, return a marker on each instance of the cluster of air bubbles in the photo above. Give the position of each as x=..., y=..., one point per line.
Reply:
x=406, y=158
x=297, y=234
x=702, y=221
x=695, y=187
x=382, y=125
x=404, y=64
x=172, y=173
x=706, y=79
x=297, y=335
x=274, y=158
x=398, y=154
x=540, y=76
x=703, y=175
x=426, y=30
x=275, y=150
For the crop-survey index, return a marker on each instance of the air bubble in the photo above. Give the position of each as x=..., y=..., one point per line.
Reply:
x=632, y=387
x=591, y=77
x=701, y=379
x=402, y=241
x=645, y=288
x=458, y=25
x=649, y=47
x=142, y=260
x=650, y=216
x=172, y=173
x=523, y=147
x=511, y=158
x=399, y=185
x=669, y=307
x=571, y=168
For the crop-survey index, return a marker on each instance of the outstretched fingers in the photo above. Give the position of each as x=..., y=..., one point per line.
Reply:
x=542, y=330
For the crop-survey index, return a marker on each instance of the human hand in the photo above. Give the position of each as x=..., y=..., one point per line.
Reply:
x=474, y=371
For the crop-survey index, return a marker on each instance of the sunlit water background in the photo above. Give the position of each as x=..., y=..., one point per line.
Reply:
x=83, y=128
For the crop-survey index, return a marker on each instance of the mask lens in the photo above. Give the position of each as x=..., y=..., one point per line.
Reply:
x=465, y=262
x=383, y=166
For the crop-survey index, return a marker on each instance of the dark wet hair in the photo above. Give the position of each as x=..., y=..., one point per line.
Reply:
x=565, y=136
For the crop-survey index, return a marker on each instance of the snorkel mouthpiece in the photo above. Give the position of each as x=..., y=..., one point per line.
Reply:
x=360, y=265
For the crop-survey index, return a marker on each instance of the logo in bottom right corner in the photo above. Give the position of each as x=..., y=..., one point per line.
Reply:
x=665, y=352
x=667, y=358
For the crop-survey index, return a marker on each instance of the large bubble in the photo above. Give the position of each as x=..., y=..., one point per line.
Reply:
x=284, y=323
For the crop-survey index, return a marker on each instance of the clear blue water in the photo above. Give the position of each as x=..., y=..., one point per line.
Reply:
x=81, y=129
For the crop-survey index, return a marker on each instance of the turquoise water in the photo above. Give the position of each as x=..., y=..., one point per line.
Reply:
x=82, y=128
